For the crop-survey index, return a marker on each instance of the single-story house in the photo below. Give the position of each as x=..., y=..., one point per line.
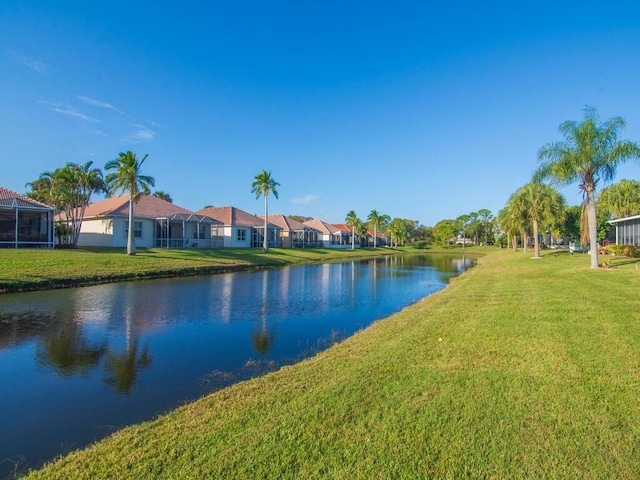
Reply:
x=381, y=239
x=330, y=235
x=627, y=230
x=24, y=222
x=157, y=223
x=346, y=232
x=294, y=234
x=240, y=229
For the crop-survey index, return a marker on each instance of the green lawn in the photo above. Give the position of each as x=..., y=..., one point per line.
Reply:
x=520, y=368
x=29, y=269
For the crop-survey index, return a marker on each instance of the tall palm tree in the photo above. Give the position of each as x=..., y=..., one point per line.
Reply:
x=377, y=221
x=128, y=177
x=545, y=207
x=352, y=221
x=590, y=152
x=263, y=184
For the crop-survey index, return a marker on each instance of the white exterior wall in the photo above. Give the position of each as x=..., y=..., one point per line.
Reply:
x=326, y=240
x=109, y=232
x=96, y=232
x=232, y=237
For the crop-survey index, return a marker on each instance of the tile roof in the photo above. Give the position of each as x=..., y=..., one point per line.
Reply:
x=232, y=216
x=321, y=226
x=287, y=224
x=147, y=206
x=342, y=227
x=9, y=198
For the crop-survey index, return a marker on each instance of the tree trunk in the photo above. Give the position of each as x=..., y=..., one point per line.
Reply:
x=265, y=242
x=536, y=240
x=131, y=244
x=593, y=228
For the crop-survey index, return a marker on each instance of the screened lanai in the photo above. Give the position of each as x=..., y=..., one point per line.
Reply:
x=305, y=237
x=182, y=230
x=24, y=222
x=627, y=230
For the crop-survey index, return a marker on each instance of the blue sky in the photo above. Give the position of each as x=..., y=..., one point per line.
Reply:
x=421, y=110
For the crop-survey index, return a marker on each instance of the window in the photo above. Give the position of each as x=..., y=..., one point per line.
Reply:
x=242, y=235
x=137, y=229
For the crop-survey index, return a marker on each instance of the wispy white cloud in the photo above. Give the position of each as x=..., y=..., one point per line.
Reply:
x=305, y=199
x=141, y=134
x=69, y=111
x=33, y=64
x=98, y=103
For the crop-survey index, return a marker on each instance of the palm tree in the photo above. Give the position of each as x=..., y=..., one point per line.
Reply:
x=620, y=199
x=545, y=206
x=590, y=152
x=163, y=196
x=68, y=189
x=485, y=218
x=127, y=177
x=263, y=184
x=377, y=221
x=352, y=221
x=397, y=230
x=514, y=218
x=361, y=230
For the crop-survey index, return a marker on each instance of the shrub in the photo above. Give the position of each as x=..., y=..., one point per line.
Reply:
x=623, y=250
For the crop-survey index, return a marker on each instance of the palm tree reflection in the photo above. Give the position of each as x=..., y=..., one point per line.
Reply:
x=121, y=369
x=263, y=338
x=66, y=349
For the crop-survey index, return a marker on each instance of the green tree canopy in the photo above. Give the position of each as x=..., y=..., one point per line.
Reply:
x=68, y=189
x=163, y=196
x=620, y=199
x=444, y=231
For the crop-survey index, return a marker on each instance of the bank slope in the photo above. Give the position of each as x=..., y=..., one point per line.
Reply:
x=520, y=368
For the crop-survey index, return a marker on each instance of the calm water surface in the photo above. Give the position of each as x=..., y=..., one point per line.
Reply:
x=78, y=364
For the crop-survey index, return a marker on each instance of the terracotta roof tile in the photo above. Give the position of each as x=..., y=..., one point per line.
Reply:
x=321, y=226
x=342, y=227
x=8, y=197
x=287, y=224
x=232, y=216
x=147, y=206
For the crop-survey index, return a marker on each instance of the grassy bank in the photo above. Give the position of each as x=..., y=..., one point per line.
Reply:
x=27, y=269
x=520, y=368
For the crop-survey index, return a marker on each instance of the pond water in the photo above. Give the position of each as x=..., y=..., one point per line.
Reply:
x=78, y=364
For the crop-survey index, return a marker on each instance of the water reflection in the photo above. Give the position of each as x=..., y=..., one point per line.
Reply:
x=263, y=338
x=75, y=361
x=121, y=369
x=66, y=349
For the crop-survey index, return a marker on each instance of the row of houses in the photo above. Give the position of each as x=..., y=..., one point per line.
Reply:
x=158, y=223
x=25, y=222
